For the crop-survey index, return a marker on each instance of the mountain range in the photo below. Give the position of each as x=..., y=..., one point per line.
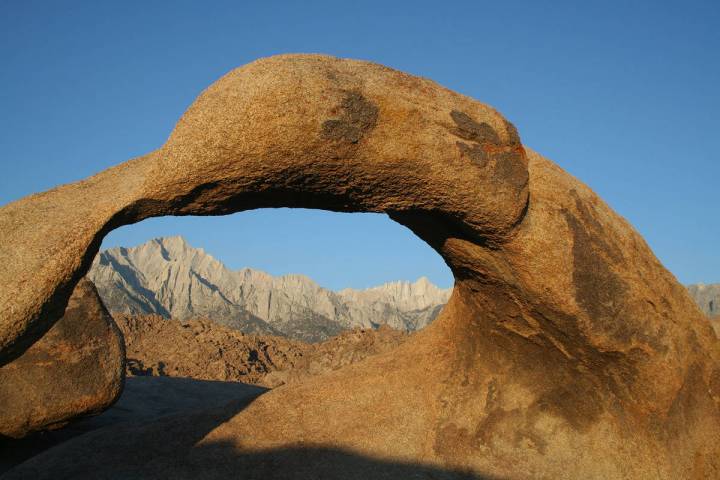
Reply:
x=707, y=297
x=167, y=276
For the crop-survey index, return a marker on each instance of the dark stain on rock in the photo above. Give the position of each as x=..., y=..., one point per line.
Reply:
x=491, y=402
x=693, y=397
x=469, y=129
x=509, y=164
x=578, y=402
x=489, y=426
x=512, y=133
x=589, y=218
x=598, y=290
x=510, y=168
x=475, y=152
x=359, y=115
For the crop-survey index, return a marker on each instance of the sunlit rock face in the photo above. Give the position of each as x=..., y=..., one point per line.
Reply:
x=76, y=369
x=565, y=351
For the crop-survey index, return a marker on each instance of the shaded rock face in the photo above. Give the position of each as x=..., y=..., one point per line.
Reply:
x=166, y=276
x=143, y=400
x=201, y=349
x=565, y=351
x=76, y=369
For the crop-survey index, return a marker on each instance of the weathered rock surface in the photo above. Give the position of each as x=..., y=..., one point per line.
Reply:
x=166, y=276
x=201, y=349
x=565, y=351
x=76, y=369
x=715, y=322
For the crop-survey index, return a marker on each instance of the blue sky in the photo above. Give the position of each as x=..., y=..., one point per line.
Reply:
x=624, y=95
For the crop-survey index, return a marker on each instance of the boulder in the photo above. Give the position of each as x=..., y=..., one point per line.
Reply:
x=76, y=369
x=565, y=351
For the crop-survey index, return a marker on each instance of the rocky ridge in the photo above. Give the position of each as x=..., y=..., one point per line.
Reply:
x=204, y=350
x=168, y=277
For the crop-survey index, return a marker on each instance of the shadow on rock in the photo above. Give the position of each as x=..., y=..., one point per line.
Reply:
x=303, y=463
x=144, y=400
x=224, y=461
x=165, y=420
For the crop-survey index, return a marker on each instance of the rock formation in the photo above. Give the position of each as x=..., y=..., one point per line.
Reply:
x=715, y=322
x=565, y=351
x=143, y=400
x=201, y=349
x=707, y=297
x=76, y=369
x=166, y=276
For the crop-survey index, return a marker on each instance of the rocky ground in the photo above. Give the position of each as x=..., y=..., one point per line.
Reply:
x=182, y=368
x=176, y=368
x=202, y=349
x=144, y=399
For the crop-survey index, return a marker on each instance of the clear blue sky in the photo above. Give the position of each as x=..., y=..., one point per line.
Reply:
x=623, y=95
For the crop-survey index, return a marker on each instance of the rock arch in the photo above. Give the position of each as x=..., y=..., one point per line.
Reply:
x=567, y=350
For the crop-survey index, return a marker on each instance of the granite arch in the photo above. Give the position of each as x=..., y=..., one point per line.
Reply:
x=566, y=350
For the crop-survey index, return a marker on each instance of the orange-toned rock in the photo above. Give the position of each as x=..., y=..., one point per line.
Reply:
x=566, y=350
x=76, y=369
x=715, y=322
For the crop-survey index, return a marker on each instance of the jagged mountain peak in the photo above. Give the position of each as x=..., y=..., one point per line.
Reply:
x=421, y=286
x=170, y=277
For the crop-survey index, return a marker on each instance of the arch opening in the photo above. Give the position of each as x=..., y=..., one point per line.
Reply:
x=334, y=270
